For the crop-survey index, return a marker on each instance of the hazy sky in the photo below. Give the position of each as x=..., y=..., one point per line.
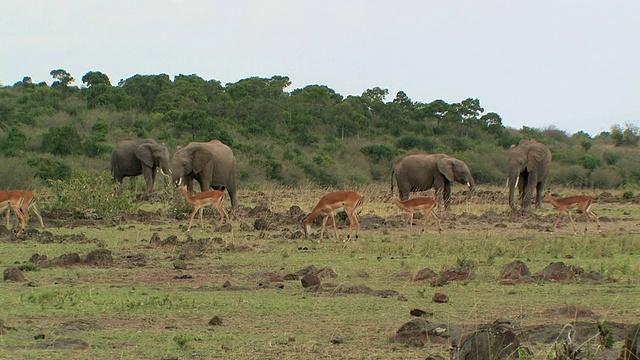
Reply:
x=571, y=64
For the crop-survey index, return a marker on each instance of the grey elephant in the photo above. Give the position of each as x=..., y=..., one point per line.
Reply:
x=529, y=164
x=419, y=172
x=211, y=163
x=140, y=157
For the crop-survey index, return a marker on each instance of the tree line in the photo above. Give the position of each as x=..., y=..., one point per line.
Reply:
x=309, y=134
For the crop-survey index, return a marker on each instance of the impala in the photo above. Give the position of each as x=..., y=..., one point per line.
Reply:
x=28, y=203
x=13, y=200
x=582, y=203
x=425, y=204
x=213, y=198
x=347, y=201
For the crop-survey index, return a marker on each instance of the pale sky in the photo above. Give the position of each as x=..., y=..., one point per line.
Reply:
x=572, y=64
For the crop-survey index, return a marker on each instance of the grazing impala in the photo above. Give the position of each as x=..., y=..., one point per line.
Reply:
x=425, y=204
x=347, y=201
x=28, y=203
x=212, y=198
x=13, y=200
x=582, y=203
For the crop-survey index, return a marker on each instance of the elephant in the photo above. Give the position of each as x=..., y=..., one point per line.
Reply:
x=529, y=164
x=420, y=171
x=211, y=163
x=140, y=156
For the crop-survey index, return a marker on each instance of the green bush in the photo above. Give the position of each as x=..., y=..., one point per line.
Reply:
x=589, y=161
x=414, y=142
x=48, y=168
x=61, y=140
x=378, y=153
x=92, y=190
x=16, y=174
x=606, y=177
x=571, y=175
x=611, y=157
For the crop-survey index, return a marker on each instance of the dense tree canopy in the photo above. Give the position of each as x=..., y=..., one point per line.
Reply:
x=311, y=132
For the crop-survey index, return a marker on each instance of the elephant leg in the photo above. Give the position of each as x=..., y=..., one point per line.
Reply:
x=148, y=174
x=539, y=194
x=232, y=195
x=446, y=195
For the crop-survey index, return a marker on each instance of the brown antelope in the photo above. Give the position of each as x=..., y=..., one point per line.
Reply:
x=212, y=198
x=425, y=204
x=582, y=203
x=28, y=203
x=10, y=199
x=347, y=201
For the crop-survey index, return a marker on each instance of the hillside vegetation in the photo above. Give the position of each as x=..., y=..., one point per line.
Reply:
x=293, y=138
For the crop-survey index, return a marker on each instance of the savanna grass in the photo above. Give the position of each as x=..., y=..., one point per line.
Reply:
x=151, y=312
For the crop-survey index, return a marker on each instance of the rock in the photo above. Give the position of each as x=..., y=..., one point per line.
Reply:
x=155, y=239
x=425, y=274
x=296, y=214
x=515, y=270
x=311, y=269
x=262, y=224
x=227, y=284
x=496, y=341
x=99, y=257
x=419, y=313
x=39, y=260
x=180, y=265
x=215, y=321
x=326, y=273
x=310, y=281
x=453, y=274
x=440, y=298
x=13, y=274
x=66, y=259
x=419, y=331
x=557, y=271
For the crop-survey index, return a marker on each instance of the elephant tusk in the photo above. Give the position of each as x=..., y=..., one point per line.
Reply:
x=179, y=181
x=517, y=180
x=163, y=173
x=468, y=185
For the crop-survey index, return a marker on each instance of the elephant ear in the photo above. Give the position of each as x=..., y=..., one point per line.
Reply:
x=445, y=166
x=144, y=153
x=534, y=157
x=200, y=157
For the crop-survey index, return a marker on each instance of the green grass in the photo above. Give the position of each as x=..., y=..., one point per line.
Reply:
x=146, y=312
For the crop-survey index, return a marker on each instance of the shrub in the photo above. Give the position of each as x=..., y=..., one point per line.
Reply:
x=610, y=156
x=48, y=168
x=589, y=161
x=92, y=190
x=378, y=153
x=606, y=177
x=61, y=140
x=414, y=142
x=571, y=175
x=16, y=174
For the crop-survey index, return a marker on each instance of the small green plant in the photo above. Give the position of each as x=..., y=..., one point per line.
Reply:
x=27, y=267
x=182, y=340
x=628, y=194
x=606, y=336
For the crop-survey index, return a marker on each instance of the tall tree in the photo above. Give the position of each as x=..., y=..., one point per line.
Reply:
x=62, y=78
x=93, y=78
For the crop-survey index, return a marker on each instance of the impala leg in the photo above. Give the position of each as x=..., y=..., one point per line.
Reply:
x=572, y=223
x=201, y=218
x=335, y=228
x=437, y=222
x=223, y=213
x=324, y=223
x=353, y=221
x=7, y=216
x=35, y=210
x=191, y=219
